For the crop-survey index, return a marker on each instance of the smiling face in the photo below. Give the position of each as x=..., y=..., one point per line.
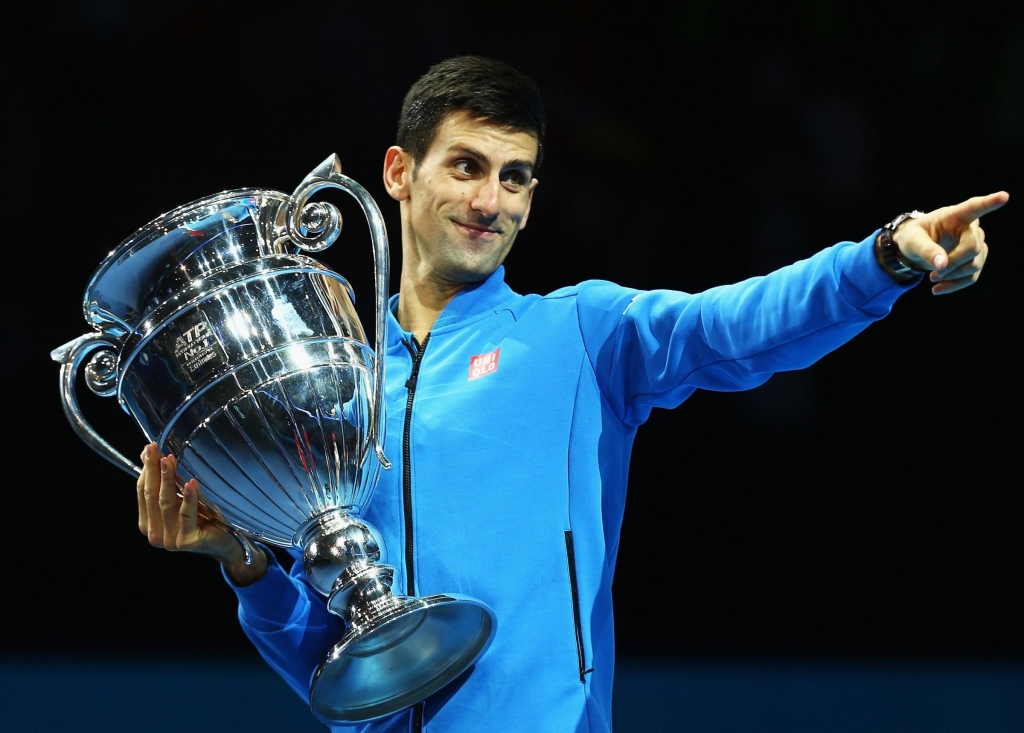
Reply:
x=464, y=203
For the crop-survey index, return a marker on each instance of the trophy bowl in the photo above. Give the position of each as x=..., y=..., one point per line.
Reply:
x=244, y=357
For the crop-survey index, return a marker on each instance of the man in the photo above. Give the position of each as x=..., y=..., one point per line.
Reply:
x=509, y=483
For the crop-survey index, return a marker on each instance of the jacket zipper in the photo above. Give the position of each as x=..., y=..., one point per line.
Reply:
x=580, y=657
x=416, y=351
x=417, y=718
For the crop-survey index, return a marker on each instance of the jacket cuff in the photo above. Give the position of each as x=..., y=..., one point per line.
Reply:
x=270, y=602
x=863, y=282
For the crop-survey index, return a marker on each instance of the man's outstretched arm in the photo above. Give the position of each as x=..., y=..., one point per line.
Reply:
x=654, y=348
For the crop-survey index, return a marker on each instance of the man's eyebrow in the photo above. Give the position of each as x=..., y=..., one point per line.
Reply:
x=514, y=163
x=519, y=163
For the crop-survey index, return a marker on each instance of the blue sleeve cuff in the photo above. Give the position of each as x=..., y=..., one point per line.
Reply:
x=863, y=282
x=268, y=604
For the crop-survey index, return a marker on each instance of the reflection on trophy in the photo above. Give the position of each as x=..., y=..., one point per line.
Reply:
x=246, y=359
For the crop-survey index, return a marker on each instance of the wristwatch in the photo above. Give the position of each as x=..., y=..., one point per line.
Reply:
x=889, y=255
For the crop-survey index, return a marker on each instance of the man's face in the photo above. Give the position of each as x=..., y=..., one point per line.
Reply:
x=467, y=200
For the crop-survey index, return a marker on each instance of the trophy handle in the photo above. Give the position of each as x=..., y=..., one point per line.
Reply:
x=313, y=228
x=101, y=376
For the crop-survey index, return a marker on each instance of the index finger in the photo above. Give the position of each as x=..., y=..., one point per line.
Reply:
x=975, y=208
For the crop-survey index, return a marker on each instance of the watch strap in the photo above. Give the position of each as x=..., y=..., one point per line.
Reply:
x=889, y=254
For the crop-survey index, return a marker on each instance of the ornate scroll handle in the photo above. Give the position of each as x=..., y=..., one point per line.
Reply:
x=101, y=377
x=314, y=228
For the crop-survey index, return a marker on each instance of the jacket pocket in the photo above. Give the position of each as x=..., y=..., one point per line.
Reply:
x=570, y=555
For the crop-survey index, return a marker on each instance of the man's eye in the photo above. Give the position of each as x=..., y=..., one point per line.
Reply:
x=516, y=178
x=465, y=166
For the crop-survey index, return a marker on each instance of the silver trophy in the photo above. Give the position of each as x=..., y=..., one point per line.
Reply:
x=245, y=358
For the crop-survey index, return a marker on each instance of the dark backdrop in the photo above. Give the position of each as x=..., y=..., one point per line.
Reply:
x=865, y=507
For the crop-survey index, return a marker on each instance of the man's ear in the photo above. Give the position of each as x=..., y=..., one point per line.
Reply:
x=398, y=167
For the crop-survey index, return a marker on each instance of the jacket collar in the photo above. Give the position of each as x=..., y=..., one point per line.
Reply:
x=471, y=301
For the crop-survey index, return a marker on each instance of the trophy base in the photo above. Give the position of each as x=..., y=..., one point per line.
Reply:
x=394, y=661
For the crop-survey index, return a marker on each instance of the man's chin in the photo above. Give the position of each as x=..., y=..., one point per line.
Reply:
x=471, y=273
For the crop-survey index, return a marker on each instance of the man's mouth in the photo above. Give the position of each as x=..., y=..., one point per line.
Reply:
x=476, y=230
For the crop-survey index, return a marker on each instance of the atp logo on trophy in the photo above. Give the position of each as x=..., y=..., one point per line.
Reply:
x=194, y=347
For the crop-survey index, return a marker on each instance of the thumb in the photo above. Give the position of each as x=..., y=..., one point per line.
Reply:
x=919, y=249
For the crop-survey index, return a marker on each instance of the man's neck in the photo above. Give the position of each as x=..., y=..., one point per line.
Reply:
x=420, y=302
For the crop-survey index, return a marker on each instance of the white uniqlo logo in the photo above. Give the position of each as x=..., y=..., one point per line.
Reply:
x=483, y=364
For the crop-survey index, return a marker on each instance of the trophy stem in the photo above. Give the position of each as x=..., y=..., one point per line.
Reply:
x=397, y=649
x=338, y=549
x=343, y=559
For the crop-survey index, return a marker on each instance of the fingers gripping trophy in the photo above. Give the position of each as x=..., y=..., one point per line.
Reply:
x=244, y=357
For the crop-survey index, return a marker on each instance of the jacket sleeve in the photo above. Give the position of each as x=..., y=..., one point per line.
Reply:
x=288, y=623
x=654, y=348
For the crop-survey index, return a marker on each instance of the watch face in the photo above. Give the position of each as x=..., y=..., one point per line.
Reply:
x=896, y=222
x=903, y=217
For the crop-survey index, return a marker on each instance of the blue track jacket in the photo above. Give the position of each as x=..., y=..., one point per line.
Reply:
x=519, y=468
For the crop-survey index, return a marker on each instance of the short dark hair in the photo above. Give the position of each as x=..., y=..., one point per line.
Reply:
x=483, y=87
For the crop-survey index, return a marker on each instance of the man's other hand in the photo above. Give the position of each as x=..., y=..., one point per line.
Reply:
x=949, y=242
x=174, y=521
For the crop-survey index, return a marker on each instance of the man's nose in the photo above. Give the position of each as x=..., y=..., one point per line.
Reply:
x=485, y=200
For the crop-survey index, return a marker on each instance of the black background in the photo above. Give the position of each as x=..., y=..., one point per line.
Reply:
x=865, y=507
